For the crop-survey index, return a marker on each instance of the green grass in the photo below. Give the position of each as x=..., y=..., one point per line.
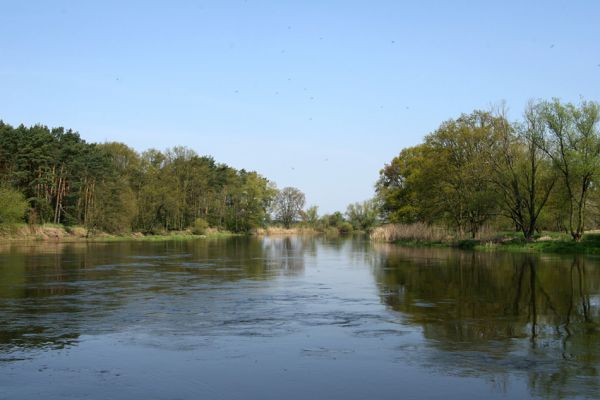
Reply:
x=560, y=243
x=590, y=244
x=422, y=243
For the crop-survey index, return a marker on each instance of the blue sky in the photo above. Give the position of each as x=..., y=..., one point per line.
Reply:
x=313, y=94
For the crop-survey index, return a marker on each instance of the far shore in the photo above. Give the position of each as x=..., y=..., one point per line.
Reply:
x=66, y=234
x=59, y=233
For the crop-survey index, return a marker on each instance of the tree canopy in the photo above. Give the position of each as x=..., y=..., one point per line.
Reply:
x=113, y=188
x=481, y=168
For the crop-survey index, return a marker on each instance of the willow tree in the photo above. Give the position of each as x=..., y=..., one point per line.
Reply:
x=571, y=139
x=522, y=175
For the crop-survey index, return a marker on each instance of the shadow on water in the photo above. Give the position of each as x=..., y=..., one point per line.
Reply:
x=496, y=313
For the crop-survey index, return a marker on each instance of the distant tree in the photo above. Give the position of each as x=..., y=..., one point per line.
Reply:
x=311, y=216
x=288, y=205
x=363, y=216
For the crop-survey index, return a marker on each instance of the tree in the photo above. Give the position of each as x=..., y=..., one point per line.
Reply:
x=400, y=185
x=13, y=205
x=311, y=216
x=115, y=207
x=522, y=172
x=446, y=180
x=570, y=138
x=111, y=187
x=288, y=205
x=462, y=171
x=363, y=216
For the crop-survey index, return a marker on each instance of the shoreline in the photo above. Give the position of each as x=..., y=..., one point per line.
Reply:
x=59, y=234
x=591, y=246
x=51, y=233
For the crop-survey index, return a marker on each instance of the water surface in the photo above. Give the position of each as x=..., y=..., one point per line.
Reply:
x=294, y=318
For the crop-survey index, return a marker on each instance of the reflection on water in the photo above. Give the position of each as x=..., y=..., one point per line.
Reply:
x=335, y=318
x=495, y=314
x=51, y=293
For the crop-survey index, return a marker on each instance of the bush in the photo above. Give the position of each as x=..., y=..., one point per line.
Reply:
x=13, y=205
x=345, y=227
x=200, y=226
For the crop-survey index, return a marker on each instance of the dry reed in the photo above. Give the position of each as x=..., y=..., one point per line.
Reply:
x=418, y=232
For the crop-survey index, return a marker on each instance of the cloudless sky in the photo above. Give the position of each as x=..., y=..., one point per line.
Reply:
x=314, y=94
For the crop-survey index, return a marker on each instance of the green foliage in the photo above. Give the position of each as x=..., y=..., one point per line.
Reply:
x=13, y=205
x=345, y=227
x=363, y=216
x=288, y=205
x=200, y=226
x=110, y=187
x=115, y=207
x=334, y=223
x=311, y=216
x=571, y=139
x=481, y=169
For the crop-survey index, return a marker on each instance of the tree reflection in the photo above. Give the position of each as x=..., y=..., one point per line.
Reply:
x=493, y=313
x=286, y=253
x=50, y=293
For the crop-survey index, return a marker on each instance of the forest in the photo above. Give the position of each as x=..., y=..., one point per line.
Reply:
x=483, y=170
x=54, y=176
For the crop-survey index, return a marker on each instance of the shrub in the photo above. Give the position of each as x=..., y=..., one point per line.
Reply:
x=200, y=226
x=13, y=205
x=345, y=227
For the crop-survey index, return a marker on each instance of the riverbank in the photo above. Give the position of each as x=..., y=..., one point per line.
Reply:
x=280, y=231
x=60, y=233
x=590, y=244
x=421, y=235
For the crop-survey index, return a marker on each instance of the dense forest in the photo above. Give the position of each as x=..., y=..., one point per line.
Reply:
x=482, y=169
x=54, y=176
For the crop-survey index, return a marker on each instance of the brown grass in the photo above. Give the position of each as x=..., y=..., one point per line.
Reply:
x=418, y=232
x=279, y=231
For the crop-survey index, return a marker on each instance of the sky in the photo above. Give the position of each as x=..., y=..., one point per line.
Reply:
x=316, y=94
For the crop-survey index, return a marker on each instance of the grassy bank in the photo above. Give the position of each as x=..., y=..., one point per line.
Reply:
x=421, y=235
x=60, y=233
x=555, y=246
x=590, y=244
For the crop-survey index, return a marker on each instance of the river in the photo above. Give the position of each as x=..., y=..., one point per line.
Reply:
x=294, y=318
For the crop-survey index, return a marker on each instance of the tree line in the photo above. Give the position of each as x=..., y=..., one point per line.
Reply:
x=54, y=176
x=539, y=172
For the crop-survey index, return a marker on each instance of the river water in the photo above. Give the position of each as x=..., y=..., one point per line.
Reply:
x=294, y=318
